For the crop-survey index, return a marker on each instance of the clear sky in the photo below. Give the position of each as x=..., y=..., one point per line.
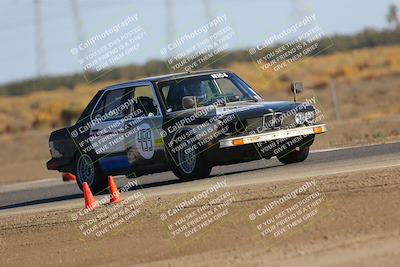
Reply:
x=252, y=21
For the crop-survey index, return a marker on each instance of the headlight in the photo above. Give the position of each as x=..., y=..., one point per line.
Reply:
x=299, y=118
x=310, y=117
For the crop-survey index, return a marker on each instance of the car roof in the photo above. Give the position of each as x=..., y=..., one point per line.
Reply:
x=167, y=77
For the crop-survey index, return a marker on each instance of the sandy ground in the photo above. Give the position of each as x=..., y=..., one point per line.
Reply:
x=339, y=220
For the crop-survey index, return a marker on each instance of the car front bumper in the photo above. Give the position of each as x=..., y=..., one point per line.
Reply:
x=274, y=135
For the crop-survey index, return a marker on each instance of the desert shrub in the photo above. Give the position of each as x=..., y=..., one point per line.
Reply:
x=71, y=113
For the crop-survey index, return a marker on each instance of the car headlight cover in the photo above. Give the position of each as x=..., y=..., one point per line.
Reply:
x=299, y=118
x=310, y=117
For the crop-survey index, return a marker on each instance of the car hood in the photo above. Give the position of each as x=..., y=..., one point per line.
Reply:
x=245, y=110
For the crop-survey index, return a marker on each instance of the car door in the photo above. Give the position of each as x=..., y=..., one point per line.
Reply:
x=143, y=142
x=107, y=129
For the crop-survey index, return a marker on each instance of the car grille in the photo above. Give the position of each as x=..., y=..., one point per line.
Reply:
x=271, y=122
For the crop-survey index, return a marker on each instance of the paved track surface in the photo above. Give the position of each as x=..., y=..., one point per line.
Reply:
x=53, y=194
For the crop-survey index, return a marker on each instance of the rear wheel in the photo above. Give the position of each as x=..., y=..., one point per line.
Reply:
x=88, y=171
x=298, y=155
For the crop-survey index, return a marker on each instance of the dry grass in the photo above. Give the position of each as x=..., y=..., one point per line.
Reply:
x=43, y=109
x=318, y=72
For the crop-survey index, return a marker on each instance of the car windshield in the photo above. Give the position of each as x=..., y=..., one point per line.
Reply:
x=207, y=89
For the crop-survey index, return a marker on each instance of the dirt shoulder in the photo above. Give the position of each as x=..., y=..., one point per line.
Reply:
x=346, y=220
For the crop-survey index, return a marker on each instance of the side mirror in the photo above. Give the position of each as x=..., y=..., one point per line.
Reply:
x=296, y=87
x=189, y=102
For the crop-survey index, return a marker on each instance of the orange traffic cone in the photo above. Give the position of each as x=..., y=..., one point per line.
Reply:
x=112, y=189
x=90, y=202
x=68, y=177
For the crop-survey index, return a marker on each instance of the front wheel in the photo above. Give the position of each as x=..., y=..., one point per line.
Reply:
x=88, y=171
x=188, y=163
x=298, y=155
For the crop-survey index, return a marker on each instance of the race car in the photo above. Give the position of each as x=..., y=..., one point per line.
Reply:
x=184, y=122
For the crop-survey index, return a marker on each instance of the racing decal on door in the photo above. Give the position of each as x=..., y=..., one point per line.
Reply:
x=145, y=141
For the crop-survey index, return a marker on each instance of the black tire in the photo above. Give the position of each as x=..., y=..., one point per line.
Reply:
x=86, y=170
x=190, y=165
x=297, y=155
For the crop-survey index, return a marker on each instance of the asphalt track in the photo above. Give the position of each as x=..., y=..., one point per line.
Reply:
x=53, y=193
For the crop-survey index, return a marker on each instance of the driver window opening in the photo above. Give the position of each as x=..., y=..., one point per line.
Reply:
x=144, y=102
